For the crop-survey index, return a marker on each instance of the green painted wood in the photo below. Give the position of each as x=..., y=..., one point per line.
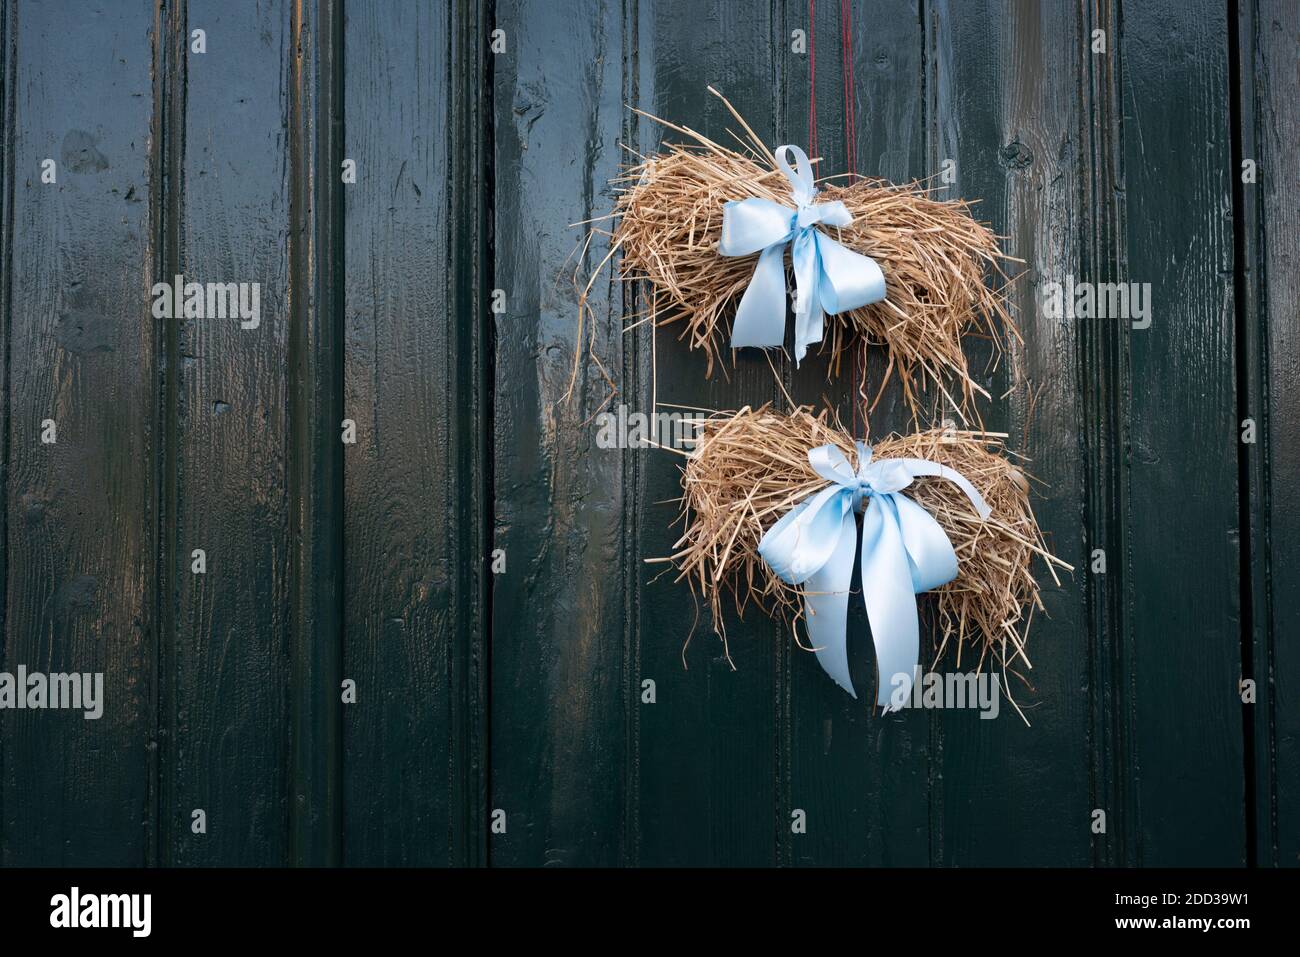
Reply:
x=1268, y=34
x=1005, y=81
x=559, y=678
x=403, y=537
x=80, y=351
x=1252, y=378
x=713, y=779
x=370, y=561
x=8, y=63
x=471, y=384
x=1182, y=587
x=231, y=665
x=315, y=413
x=169, y=53
x=1101, y=382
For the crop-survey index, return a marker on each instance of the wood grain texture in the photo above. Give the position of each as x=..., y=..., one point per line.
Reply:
x=863, y=779
x=522, y=691
x=400, y=523
x=1102, y=382
x=559, y=681
x=1268, y=35
x=710, y=790
x=472, y=386
x=1006, y=110
x=230, y=723
x=315, y=467
x=1182, y=583
x=8, y=66
x=79, y=512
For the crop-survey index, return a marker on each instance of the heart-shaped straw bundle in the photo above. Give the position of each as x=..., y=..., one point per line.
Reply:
x=935, y=258
x=749, y=468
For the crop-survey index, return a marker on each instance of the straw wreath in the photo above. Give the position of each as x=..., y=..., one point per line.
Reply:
x=748, y=468
x=934, y=255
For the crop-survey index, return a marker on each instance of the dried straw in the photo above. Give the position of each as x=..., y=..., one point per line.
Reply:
x=934, y=256
x=748, y=468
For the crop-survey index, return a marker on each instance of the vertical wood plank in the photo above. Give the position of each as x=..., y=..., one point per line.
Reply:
x=81, y=351
x=315, y=450
x=1182, y=578
x=559, y=690
x=471, y=381
x=1007, y=111
x=1104, y=381
x=165, y=198
x=1268, y=36
x=862, y=779
x=403, y=538
x=713, y=774
x=231, y=664
x=8, y=65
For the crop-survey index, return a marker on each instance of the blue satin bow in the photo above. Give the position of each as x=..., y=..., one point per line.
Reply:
x=828, y=277
x=904, y=552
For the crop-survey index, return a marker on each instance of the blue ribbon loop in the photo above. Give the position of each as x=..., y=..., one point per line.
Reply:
x=829, y=278
x=904, y=552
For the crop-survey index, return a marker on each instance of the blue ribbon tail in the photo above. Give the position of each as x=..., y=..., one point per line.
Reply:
x=808, y=324
x=809, y=327
x=848, y=280
x=888, y=593
x=760, y=318
x=904, y=552
x=826, y=603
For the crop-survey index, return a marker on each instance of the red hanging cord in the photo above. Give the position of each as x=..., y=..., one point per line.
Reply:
x=850, y=104
x=857, y=400
x=859, y=360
